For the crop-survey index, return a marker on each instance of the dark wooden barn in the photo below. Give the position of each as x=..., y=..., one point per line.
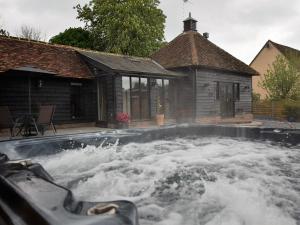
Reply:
x=217, y=87
x=190, y=79
x=85, y=86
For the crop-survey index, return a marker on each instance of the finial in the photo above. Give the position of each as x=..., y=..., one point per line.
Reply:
x=190, y=14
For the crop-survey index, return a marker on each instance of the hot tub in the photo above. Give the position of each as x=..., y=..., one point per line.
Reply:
x=180, y=175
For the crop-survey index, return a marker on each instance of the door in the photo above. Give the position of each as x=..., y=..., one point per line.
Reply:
x=226, y=99
x=102, y=100
x=75, y=101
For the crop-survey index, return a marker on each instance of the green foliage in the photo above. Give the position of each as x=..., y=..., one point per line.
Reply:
x=77, y=37
x=292, y=110
x=130, y=27
x=255, y=97
x=282, y=80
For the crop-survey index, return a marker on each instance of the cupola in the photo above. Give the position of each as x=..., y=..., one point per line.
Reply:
x=190, y=24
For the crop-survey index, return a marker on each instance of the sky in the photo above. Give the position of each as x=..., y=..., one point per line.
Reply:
x=240, y=27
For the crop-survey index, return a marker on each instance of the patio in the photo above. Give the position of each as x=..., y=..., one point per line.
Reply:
x=5, y=134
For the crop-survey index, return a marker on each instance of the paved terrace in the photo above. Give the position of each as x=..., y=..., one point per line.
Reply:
x=4, y=134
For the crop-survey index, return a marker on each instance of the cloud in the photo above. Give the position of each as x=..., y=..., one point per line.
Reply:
x=241, y=27
x=51, y=17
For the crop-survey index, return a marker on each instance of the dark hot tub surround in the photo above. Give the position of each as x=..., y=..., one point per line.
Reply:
x=30, y=196
x=35, y=190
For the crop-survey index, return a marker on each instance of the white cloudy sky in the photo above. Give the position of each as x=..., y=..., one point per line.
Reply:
x=239, y=26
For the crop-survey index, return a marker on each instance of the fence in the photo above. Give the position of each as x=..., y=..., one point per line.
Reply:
x=269, y=110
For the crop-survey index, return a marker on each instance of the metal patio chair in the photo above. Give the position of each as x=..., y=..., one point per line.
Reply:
x=7, y=121
x=44, y=119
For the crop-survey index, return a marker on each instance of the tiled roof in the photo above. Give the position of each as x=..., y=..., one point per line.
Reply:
x=60, y=60
x=192, y=49
x=127, y=64
x=288, y=52
x=285, y=49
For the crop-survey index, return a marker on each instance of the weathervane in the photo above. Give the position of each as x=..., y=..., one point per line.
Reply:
x=183, y=7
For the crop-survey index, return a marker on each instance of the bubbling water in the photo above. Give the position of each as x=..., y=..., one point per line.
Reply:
x=212, y=181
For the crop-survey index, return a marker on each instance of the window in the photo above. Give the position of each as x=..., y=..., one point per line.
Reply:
x=159, y=96
x=136, y=98
x=167, y=99
x=126, y=94
x=75, y=102
x=217, y=90
x=163, y=97
x=144, y=98
x=236, y=91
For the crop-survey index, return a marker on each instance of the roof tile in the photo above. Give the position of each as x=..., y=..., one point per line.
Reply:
x=192, y=49
x=61, y=60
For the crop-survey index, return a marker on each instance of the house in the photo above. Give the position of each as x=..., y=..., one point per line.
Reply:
x=264, y=60
x=190, y=79
x=86, y=86
x=217, y=87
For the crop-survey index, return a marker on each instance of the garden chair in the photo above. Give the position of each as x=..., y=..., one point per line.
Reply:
x=45, y=119
x=7, y=121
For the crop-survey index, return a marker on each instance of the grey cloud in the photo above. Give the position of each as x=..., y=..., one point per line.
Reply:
x=240, y=26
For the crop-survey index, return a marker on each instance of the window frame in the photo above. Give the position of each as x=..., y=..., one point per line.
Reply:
x=237, y=91
x=139, y=117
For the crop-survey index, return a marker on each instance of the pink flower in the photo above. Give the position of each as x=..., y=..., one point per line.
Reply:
x=122, y=117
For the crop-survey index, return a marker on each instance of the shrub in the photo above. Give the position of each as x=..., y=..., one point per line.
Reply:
x=255, y=97
x=292, y=110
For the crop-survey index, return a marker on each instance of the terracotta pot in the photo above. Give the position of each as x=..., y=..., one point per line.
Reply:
x=160, y=119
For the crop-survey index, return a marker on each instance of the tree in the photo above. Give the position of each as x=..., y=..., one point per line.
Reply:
x=2, y=30
x=282, y=80
x=30, y=33
x=131, y=27
x=77, y=37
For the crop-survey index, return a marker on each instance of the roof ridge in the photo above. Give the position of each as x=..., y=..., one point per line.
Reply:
x=226, y=52
x=284, y=46
x=67, y=46
x=194, y=53
x=196, y=50
x=169, y=43
x=36, y=42
x=114, y=54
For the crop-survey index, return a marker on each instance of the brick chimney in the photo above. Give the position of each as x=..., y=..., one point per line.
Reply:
x=190, y=24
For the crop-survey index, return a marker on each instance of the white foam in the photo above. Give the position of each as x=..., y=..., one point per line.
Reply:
x=246, y=183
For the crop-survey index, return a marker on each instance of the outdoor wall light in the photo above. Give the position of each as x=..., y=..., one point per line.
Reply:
x=246, y=88
x=205, y=85
x=40, y=83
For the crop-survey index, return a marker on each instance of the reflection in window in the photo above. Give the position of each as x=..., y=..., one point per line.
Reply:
x=144, y=98
x=126, y=94
x=135, y=98
x=167, y=98
x=163, y=97
x=159, y=96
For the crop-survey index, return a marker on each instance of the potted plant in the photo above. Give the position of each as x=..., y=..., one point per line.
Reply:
x=122, y=120
x=160, y=117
